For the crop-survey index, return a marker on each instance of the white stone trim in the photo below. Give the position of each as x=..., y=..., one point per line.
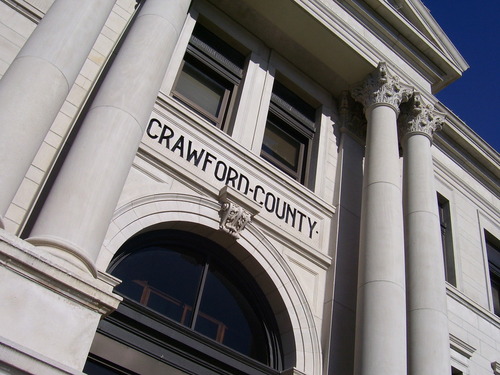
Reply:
x=489, y=224
x=461, y=352
x=24, y=259
x=16, y=359
x=471, y=305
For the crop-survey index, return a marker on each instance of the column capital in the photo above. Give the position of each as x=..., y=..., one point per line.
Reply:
x=418, y=117
x=351, y=118
x=381, y=87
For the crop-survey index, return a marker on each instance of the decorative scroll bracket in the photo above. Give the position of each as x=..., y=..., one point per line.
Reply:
x=236, y=211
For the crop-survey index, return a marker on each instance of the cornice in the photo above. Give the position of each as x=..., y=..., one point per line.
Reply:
x=461, y=347
x=461, y=133
x=425, y=14
x=440, y=66
x=469, y=304
x=468, y=150
x=452, y=179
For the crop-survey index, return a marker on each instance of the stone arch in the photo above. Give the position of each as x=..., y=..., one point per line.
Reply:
x=199, y=215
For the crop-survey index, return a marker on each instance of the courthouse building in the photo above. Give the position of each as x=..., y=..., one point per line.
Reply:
x=241, y=187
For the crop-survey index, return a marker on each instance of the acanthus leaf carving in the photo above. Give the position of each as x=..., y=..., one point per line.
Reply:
x=381, y=87
x=418, y=117
x=352, y=119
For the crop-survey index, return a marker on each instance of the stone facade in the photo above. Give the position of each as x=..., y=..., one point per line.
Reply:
x=318, y=172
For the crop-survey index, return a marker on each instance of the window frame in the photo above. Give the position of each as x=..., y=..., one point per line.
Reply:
x=215, y=67
x=492, y=244
x=292, y=122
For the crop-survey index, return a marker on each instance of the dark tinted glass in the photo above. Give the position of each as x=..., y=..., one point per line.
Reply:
x=163, y=279
x=227, y=317
x=282, y=146
x=183, y=280
x=199, y=88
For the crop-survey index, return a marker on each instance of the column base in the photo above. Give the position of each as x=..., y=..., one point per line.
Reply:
x=49, y=313
x=64, y=253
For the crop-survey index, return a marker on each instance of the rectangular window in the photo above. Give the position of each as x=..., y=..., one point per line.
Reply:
x=209, y=77
x=493, y=252
x=289, y=133
x=446, y=239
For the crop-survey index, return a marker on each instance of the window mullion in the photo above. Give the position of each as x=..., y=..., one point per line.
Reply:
x=199, y=296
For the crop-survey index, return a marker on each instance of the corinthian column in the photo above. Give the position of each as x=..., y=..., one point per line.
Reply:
x=76, y=214
x=381, y=306
x=428, y=337
x=38, y=81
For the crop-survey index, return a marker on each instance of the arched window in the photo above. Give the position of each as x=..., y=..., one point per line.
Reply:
x=193, y=302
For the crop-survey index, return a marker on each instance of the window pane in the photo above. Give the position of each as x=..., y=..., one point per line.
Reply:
x=281, y=146
x=163, y=279
x=200, y=89
x=226, y=316
x=446, y=239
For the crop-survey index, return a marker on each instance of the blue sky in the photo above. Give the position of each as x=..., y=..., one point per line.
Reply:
x=474, y=28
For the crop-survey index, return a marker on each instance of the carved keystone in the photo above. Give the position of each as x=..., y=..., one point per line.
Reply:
x=236, y=211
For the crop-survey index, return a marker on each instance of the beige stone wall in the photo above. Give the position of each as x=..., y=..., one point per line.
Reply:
x=474, y=209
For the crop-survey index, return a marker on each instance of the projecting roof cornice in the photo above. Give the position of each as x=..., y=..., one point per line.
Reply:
x=409, y=27
x=469, y=150
x=339, y=42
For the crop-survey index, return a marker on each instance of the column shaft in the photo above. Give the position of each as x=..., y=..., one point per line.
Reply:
x=38, y=81
x=381, y=311
x=381, y=303
x=75, y=217
x=428, y=336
